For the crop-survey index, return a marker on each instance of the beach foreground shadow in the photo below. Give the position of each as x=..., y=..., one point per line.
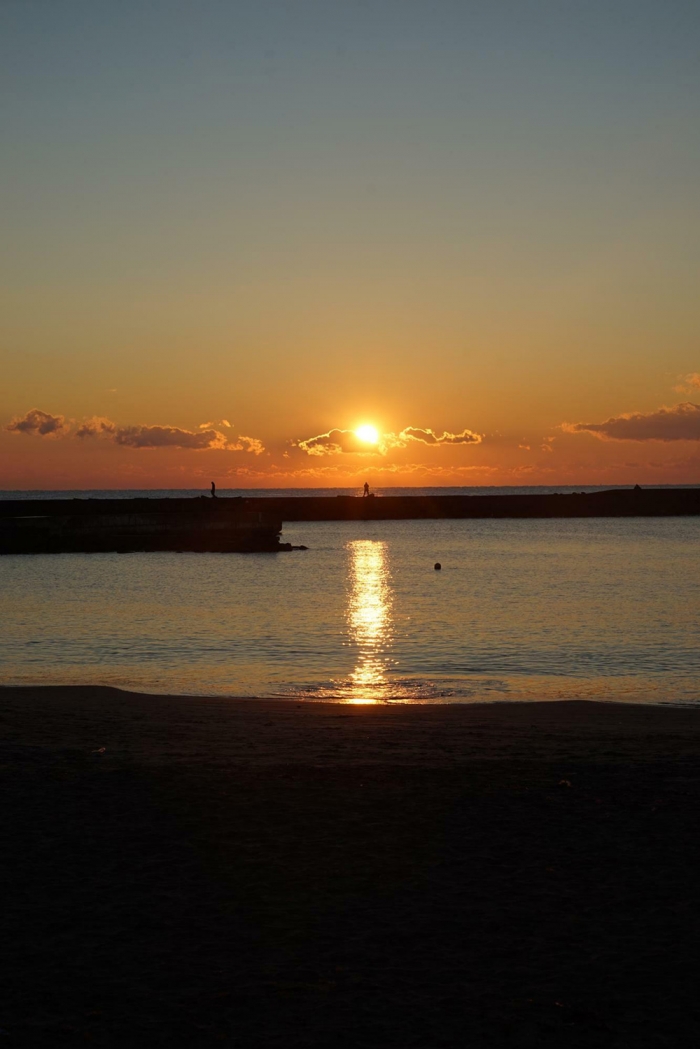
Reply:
x=268, y=874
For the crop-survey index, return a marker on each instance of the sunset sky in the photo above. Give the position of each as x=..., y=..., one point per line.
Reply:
x=236, y=232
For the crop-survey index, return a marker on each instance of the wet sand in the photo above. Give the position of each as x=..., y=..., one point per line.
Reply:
x=259, y=873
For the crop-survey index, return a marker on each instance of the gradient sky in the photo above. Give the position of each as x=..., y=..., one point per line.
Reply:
x=474, y=220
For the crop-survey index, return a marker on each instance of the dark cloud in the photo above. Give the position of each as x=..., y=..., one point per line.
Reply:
x=428, y=436
x=167, y=437
x=681, y=423
x=97, y=426
x=37, y=422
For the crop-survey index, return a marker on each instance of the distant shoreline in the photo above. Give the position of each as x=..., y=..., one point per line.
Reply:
x=33, y=494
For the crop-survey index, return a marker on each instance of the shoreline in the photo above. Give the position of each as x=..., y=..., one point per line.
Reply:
x=157, y=728
x=185, y=871
x=638, y=697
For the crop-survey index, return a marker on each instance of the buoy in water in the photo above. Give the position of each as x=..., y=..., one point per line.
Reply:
x=437, y=566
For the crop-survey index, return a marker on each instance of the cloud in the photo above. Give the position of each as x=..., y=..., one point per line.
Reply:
x=147, y=436
x=95, y=426
x=37, y=422
x=681, y=423
x=167, y=437
x=688, y=383
x=428, y=436
x=211, y=425
x=246, y=444
x=336, y=441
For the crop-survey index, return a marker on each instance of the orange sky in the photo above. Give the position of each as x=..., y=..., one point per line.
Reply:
x=473, y=222
x=99, y=453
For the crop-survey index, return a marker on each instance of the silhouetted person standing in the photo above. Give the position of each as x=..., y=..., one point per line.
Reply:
x=213, y=490
x=365, y=490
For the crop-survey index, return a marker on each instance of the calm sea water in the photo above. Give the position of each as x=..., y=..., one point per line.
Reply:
x=598, y=608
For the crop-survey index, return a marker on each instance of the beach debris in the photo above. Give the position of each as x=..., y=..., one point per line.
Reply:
x=564, y=782
x=100, y=750
x=437, y=566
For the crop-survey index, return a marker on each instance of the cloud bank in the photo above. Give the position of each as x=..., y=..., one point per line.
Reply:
x=681, y=423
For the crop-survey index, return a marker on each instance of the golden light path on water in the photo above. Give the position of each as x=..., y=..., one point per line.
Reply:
x=369, y=616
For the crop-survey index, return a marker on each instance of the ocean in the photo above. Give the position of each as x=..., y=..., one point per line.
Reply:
x=601, y=608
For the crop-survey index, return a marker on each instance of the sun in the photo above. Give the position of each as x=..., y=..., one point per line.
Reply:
x=367, y=433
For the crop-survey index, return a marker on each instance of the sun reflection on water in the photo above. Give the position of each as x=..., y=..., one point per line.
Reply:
x=369, y=617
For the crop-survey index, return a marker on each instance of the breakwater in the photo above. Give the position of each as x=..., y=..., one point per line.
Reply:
x=132, y=525
x=637, y=502
x=254, y=523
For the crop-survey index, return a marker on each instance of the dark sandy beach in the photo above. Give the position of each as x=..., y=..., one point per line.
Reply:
x=259, y=873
